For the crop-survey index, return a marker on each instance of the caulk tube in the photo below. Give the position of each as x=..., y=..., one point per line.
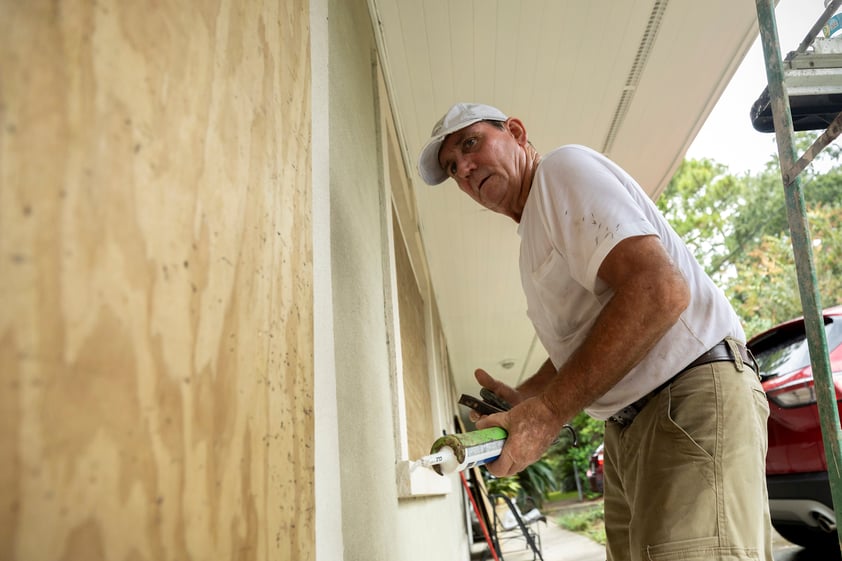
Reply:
x=458, y=452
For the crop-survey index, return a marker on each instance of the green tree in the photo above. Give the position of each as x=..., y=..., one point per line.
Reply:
x=563, y=454
x=699, y=202
x=737, y=228
x=766, y=285
x=720, y=216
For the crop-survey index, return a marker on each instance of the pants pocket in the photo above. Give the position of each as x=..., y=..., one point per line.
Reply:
x=696, y=550
x=693, y=413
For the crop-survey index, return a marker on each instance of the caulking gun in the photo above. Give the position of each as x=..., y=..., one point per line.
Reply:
x=458, y=452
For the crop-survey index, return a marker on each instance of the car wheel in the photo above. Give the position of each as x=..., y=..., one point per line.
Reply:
x=809, y=538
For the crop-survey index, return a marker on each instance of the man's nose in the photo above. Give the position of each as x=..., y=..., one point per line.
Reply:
x=464, y=167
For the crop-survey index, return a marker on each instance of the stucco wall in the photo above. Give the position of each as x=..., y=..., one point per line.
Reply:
x=155, y=281
x=376, y=524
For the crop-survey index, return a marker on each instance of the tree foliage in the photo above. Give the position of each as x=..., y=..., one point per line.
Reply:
x=737, y=228
x=563, y=454
x=766, y=289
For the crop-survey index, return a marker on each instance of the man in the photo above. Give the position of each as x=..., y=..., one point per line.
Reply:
x=637, y=335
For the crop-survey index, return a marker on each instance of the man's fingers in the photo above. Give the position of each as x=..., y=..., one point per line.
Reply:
x=502, y=389
x=529, y=436
x=495, y=420
x=485, y=380
x=503, y=466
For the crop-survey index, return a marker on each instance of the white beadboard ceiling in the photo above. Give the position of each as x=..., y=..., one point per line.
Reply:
x=634, y=79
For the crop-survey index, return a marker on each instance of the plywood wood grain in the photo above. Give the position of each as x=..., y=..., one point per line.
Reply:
x=416, y=376
x=155, y=281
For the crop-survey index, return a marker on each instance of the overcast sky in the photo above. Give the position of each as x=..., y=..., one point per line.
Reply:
x=727, y=136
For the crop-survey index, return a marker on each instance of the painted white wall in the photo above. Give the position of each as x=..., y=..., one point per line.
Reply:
x=376, y=524
x=329, y=543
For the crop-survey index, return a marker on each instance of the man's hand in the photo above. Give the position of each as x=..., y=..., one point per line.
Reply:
x=501, y=389
x=532, y=428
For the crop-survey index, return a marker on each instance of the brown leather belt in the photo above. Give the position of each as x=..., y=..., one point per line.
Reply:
x=721, y=352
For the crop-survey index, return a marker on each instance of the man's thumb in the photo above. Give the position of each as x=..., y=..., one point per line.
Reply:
x=484, y=378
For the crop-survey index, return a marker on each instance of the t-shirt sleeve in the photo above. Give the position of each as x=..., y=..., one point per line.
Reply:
x=587, y=210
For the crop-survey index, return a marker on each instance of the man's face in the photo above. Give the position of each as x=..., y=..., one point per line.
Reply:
x=488, y=164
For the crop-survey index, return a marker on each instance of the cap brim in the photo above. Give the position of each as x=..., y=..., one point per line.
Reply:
x=428, y=164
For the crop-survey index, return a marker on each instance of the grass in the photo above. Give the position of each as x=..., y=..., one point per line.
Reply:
x=553, y=496
x=590, y=522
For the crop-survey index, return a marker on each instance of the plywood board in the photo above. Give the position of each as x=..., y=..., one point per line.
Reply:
x=155, y=281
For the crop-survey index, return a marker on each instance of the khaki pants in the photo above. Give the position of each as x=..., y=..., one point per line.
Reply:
x=686, y=480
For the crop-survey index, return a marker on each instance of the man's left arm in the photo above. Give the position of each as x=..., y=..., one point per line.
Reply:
x=650, y=293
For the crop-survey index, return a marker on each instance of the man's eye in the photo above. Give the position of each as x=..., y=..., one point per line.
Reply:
x=469, y=142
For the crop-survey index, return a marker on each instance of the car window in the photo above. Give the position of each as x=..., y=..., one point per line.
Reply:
x=787, y=351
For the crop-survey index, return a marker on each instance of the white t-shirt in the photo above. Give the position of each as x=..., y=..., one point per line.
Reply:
x=580, y=206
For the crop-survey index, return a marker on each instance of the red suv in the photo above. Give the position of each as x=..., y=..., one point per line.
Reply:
x=796, y=468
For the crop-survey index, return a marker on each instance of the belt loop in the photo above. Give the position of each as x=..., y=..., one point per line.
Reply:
x=754, y=365
x=735, y=352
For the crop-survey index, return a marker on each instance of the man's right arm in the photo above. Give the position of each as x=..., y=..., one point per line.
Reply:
x=538, y=381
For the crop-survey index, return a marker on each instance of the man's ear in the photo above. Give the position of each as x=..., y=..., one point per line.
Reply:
x=518, y=130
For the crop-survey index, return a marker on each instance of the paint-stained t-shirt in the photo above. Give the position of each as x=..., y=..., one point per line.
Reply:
x=581, y=205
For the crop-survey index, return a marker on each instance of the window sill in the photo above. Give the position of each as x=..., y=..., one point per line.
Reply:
x=421, y=481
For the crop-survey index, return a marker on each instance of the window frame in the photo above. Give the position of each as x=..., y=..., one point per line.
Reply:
x=398, y=204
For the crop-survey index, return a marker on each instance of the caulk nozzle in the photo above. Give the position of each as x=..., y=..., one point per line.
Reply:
x=444, y=455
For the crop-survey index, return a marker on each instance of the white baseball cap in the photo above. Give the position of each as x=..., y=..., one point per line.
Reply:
x=457, y=117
